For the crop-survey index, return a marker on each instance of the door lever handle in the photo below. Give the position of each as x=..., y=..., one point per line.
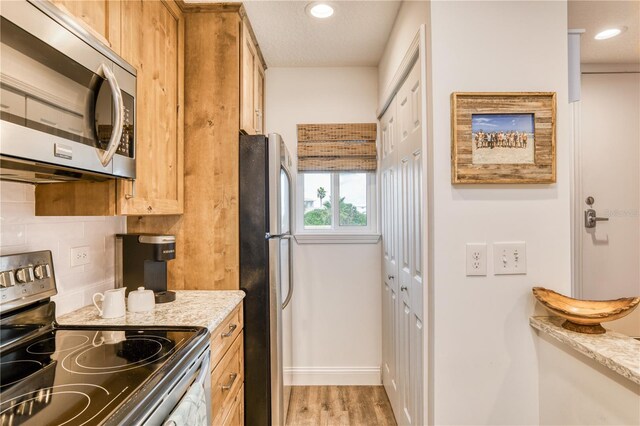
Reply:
x=590, y=219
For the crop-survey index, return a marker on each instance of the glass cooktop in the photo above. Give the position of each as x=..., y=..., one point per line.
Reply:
x=82, y=377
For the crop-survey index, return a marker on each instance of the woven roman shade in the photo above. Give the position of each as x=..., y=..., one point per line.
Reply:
x=346, y=147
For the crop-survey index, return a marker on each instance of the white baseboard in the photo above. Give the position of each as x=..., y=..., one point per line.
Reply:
x=331, y=376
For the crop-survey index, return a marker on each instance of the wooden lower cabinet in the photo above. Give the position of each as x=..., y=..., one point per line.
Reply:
x=236, y=414
x=227, y=375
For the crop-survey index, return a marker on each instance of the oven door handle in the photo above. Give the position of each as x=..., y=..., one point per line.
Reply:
x=118, y=119
x=204, y=369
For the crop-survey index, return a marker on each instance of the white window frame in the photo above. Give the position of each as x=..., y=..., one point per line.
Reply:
x=337, y=233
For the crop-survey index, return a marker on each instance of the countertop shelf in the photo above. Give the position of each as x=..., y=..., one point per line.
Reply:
x=615, y=351
x=200, y=308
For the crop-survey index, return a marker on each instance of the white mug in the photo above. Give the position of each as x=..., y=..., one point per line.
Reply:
x=113, y=305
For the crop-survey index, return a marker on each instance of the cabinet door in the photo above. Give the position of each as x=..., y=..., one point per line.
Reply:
x=152, y=41
x=100, y=17
x=236, y=415
x=258, y=97
x=249, y=59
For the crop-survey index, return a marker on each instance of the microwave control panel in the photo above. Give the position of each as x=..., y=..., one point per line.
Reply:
x=127, y=145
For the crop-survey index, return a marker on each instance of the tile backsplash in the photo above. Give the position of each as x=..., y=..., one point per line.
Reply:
x=21, y=230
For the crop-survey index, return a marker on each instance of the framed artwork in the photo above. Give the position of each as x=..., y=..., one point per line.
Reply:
x=503, y=137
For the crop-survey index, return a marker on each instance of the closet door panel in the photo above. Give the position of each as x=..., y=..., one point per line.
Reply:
x=389, y=227
x=417, y=371
x=405, y=413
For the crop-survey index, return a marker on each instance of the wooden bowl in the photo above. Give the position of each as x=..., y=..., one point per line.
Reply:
x=585, y=316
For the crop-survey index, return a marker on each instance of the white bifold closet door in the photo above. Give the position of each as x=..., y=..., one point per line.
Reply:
x=402, y=222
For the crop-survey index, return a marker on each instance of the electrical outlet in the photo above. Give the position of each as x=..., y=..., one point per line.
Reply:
x=476, y=259
x=510, y=258
x=79, y=256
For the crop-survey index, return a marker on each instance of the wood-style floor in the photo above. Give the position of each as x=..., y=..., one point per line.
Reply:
x=339, y=405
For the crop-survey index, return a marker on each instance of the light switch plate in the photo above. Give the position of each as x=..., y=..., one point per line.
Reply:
x=476, y=259
x=510, y=258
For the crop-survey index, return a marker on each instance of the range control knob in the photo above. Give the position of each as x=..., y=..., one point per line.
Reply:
x=24, y=275
x=6, y=279
x=41, y=271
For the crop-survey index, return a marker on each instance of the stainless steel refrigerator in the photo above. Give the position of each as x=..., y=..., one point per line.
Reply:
x=266, y=275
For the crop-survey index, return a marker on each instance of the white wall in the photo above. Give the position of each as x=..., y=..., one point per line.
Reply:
x=410, y=16
x=336, y=303
x=22, y=231
x=483, y=347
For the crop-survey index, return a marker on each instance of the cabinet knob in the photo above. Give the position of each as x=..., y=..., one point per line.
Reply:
x=391, y=277
x=403, y=288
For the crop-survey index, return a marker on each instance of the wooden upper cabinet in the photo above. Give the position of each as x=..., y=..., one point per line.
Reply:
x=251, y=84
x=152, y=41
x=258, y=98
x=100, y=17
x=150, y=37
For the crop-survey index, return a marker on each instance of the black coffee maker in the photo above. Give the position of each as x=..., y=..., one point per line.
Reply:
x=141, y=260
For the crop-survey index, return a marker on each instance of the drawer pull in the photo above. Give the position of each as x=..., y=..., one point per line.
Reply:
x=49, y=122
x=232, y=380
x=229, y=333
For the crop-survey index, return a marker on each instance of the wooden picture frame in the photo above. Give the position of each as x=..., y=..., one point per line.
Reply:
x=505, y=137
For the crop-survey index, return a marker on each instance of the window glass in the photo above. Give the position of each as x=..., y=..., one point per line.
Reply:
x=317, y=200
x=353, y=199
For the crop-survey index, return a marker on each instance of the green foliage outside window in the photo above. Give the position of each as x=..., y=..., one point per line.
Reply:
x=349, y=215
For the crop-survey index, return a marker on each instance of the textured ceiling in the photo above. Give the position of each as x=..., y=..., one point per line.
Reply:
x=595, y=16
x=355, y=35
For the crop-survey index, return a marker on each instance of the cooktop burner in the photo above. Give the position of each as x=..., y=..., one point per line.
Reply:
x=80, y=376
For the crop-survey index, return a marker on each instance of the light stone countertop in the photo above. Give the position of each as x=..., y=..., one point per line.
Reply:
x=200, y=308
x=615, y=351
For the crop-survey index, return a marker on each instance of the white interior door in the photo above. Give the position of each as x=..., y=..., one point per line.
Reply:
x=409, y=115
x=609, y=149
x=389, y=229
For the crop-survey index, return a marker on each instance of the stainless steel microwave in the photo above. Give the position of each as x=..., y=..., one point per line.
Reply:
x=67, y=102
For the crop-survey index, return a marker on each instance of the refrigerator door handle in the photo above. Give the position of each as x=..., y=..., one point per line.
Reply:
x=285, y=236
x=290, y=293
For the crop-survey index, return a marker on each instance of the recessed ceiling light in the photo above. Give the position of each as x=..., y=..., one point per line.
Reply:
x=609, y=33
x=320, y=10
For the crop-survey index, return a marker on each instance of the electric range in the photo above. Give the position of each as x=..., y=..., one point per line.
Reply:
x=75, y=375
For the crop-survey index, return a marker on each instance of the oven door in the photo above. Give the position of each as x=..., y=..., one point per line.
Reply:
x=63, y=101
x=182, y=404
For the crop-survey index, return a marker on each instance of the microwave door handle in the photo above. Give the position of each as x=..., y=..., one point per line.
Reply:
x=118, y=122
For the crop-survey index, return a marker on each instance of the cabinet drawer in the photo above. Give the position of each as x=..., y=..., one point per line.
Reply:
x=226, y=380
x=236, y=414
x=225, y=335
